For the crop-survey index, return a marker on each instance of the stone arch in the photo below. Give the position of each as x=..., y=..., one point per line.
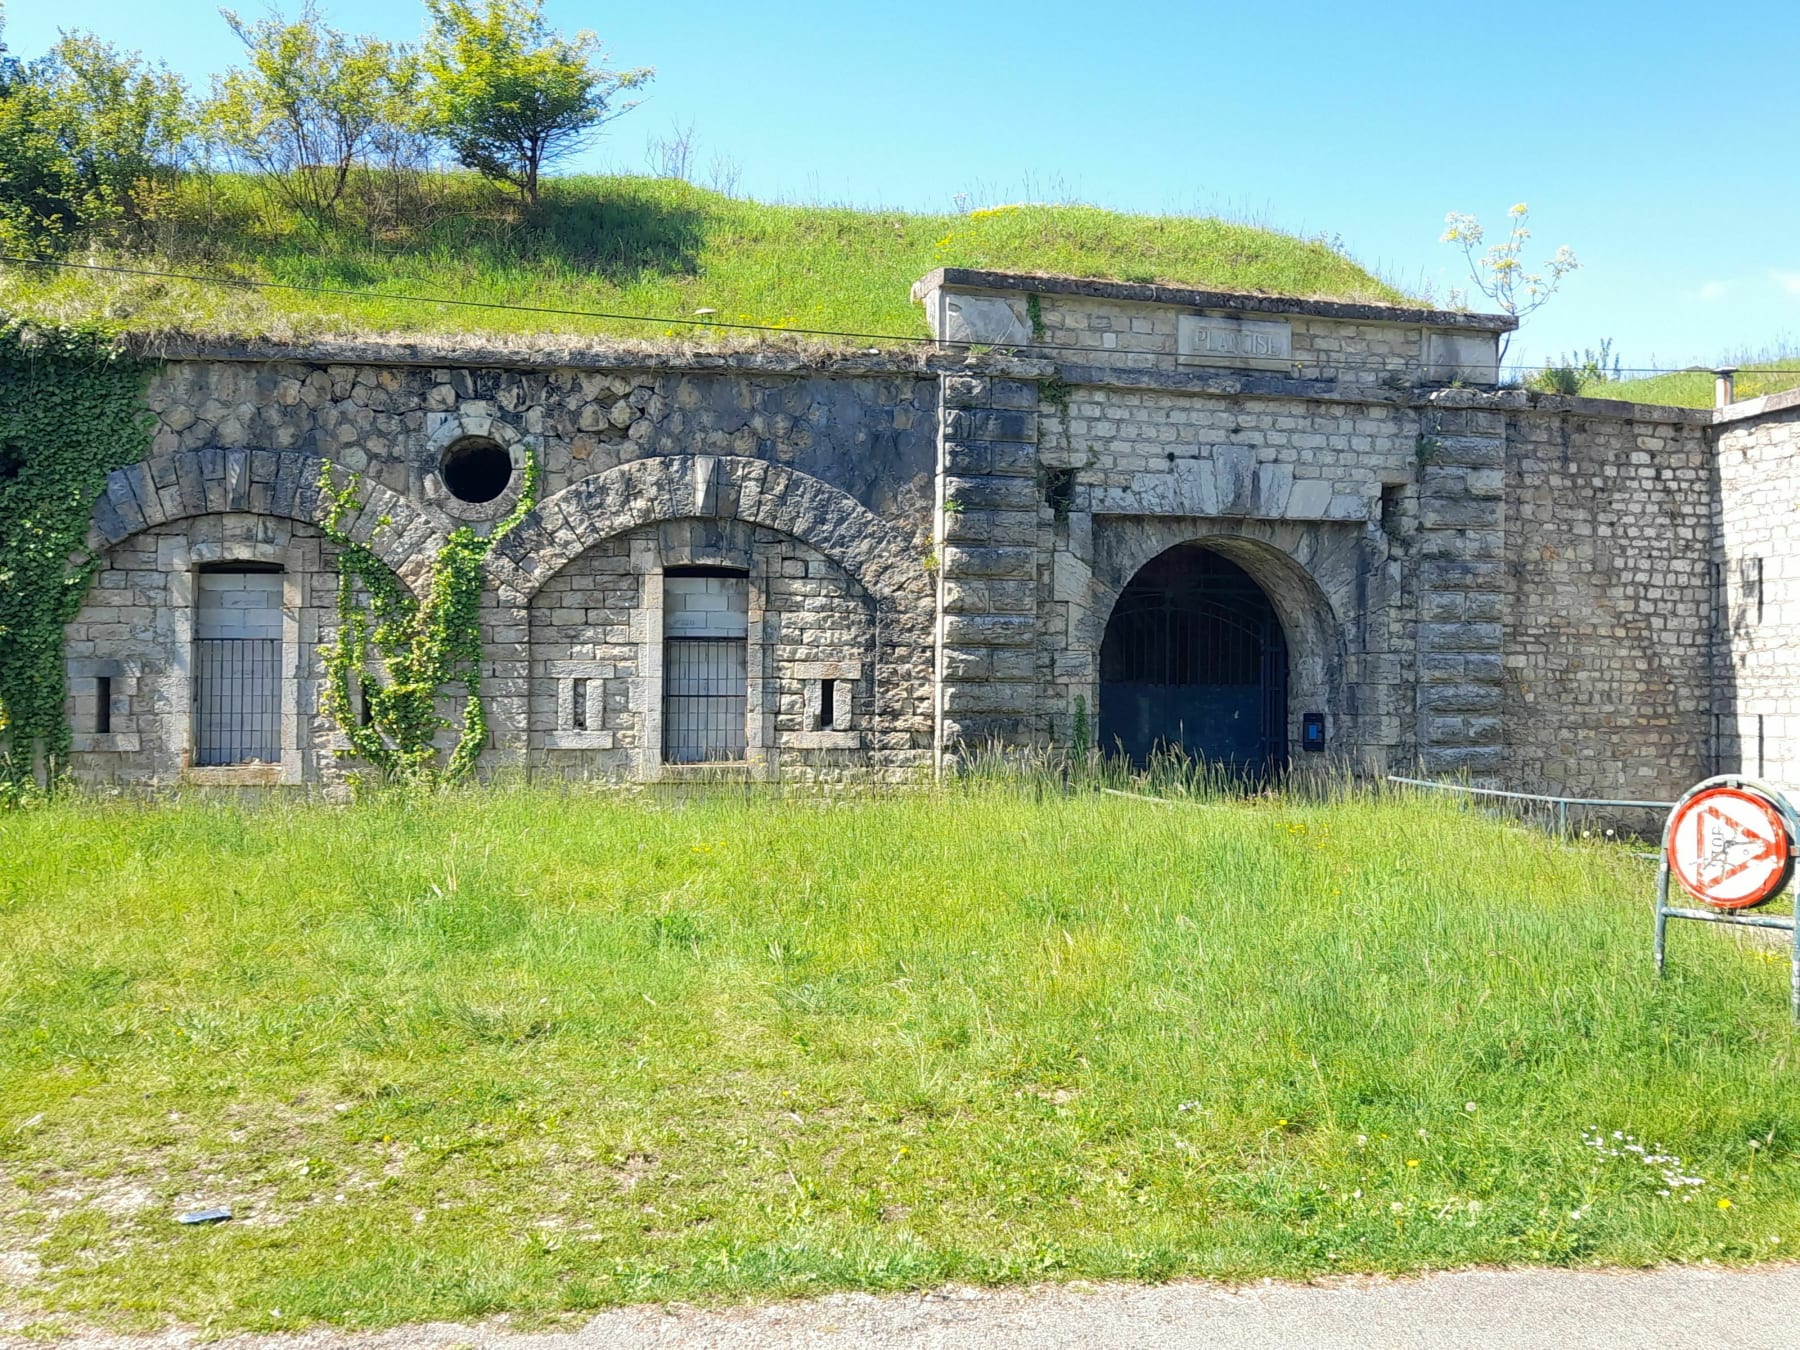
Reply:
x=706, y=507
x=1309, y=573
x=674, y=487
x=283, y=483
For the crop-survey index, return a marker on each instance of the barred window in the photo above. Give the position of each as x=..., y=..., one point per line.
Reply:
x=706, y=625
x=237, y=665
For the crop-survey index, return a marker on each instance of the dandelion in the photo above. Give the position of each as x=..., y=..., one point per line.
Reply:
x=1724, y=1203
x=1469, y=1106
x=1398, y=1207
x=1412, y=1162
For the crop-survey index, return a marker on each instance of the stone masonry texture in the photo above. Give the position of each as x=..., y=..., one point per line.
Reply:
x=1558, y=595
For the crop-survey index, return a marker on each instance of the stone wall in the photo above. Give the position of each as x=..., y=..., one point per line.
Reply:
x=136, y=630
x=1608, y=624
x=1756, y=591
x=1470, y=582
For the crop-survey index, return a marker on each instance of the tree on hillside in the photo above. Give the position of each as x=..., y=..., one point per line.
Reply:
x=86, y=133
x=511, y=95
x=134, y=123
x=310, y=104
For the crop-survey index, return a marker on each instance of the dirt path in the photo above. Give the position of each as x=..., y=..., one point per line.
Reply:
x=1687, y=1306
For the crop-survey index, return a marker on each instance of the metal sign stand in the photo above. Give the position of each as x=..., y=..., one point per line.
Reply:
x=1785, y=922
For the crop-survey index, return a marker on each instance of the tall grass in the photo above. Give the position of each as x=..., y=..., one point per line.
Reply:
x=537, y=1050
x=630, y=245
x=1766, y=372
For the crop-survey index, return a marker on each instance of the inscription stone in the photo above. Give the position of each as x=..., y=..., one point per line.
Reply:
x=1209, y=340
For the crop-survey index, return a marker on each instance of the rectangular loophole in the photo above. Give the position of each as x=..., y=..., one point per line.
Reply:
x=578, y=705
x=103, y=705
x=827, y=704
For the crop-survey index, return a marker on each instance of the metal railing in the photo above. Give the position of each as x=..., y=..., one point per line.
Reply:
x=1562, y=804
x=704, y=700
x=237, y=701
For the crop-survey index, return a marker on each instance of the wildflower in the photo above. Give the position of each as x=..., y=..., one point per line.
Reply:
x=1282, y=1121
x=1412, y=1162
x=1398, y=1207
x=1468, y=1106
x=1724, y=1203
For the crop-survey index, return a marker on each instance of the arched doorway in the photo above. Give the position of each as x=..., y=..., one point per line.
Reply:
x=1194, y=659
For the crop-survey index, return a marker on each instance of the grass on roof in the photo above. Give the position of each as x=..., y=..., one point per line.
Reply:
x=1768, y=374
x=630, y=245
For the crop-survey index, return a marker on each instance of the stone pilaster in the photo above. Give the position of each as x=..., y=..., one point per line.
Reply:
x=988, y=556
x=1461, y=560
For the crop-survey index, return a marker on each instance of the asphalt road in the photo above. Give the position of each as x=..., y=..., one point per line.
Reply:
x=1692, y=1306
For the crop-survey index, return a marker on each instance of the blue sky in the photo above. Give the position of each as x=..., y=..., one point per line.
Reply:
x=1653, y=138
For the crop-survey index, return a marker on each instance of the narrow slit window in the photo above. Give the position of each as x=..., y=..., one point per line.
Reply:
x=827, y=704
x=578, y=705
x=237, y=665
x=103, y=705
x=365, y=704
x=706, y=658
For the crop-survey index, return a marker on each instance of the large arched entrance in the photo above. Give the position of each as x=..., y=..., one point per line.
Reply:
x=1195, y=660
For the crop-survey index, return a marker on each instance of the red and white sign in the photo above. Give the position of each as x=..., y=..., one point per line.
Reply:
x=1730, y=848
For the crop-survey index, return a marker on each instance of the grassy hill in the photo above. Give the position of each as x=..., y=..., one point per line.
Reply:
x=1694, y=388
x=629, y=246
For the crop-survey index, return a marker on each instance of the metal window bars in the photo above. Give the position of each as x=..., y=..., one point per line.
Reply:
x=237, y=701
x=705, y=700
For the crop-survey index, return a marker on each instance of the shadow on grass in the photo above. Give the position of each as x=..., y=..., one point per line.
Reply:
x=616, y=230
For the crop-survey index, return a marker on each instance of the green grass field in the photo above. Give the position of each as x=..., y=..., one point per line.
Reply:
x=543, y=1052
x=1770, y=374
x=632, y=245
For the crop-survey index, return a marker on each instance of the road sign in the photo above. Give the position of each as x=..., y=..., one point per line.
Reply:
x=1730, y=847
x=1730, y=843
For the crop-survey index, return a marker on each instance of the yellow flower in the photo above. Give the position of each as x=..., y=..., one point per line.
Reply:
x=1724, y=1203
x=1412, y=1162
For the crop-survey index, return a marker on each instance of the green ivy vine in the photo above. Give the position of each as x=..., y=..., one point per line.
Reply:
x=71, y=411
x=418, y=646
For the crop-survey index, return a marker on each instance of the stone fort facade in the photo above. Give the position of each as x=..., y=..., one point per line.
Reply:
x=1270, y=531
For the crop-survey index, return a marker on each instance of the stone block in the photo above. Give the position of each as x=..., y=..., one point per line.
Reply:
x=989, y=630
x=965, y=561
x=990, y=424
x=991, y=493
x=1459, y=637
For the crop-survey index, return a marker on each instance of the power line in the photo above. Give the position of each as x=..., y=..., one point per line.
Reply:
x=446, y=300
x=914, y=339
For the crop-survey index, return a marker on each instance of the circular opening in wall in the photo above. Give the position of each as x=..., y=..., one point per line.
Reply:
x=476, y=470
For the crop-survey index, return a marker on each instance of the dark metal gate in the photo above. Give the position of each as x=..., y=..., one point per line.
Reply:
x=704, y=699
x=1194, y=660
x=237, y=701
